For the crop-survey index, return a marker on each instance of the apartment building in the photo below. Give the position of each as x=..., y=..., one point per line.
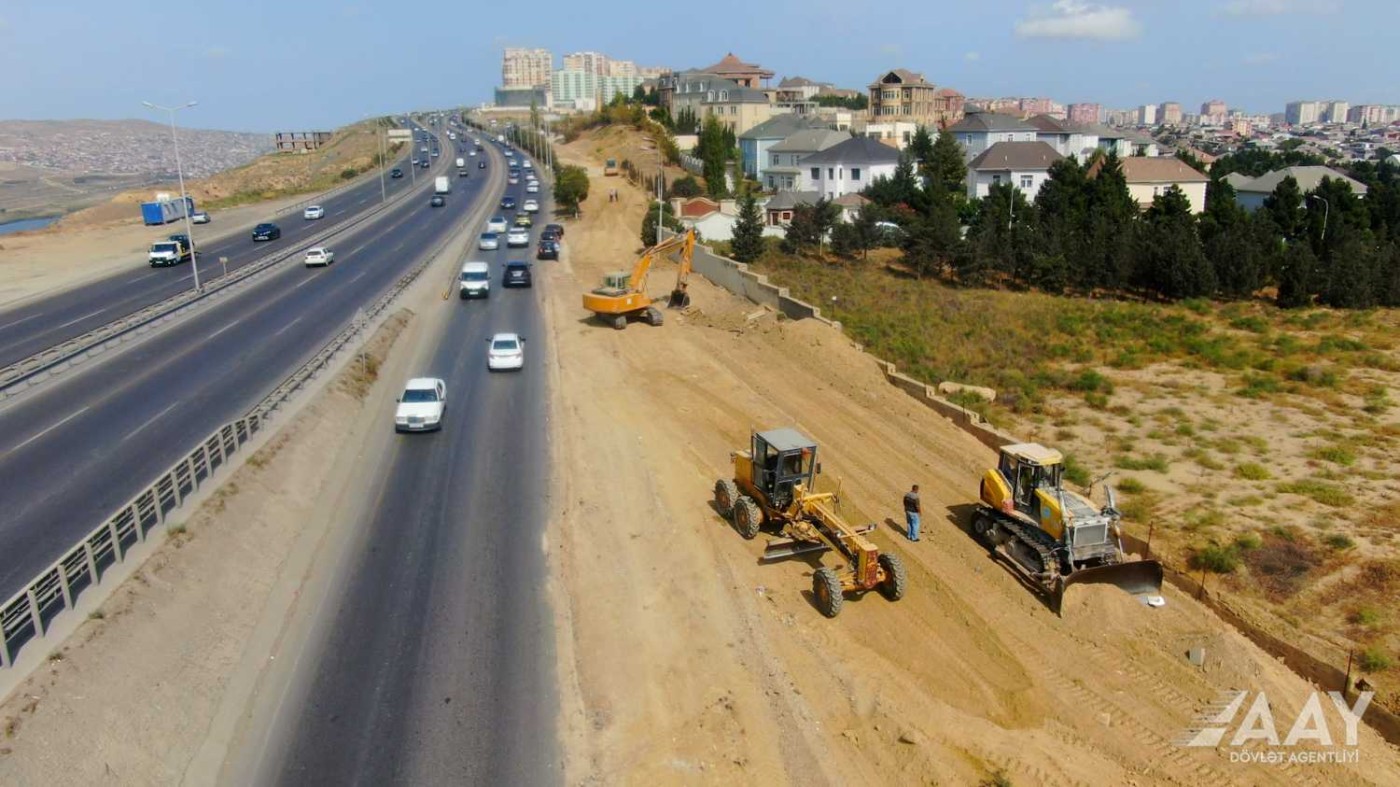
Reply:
x=526, y=68
x=738, y=107
x=1169, y=113
x=1084, y=113
x=1214, y=111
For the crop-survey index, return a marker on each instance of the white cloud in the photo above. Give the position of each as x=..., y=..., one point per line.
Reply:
x=1078, y=19
x=1280, y=7
x=1260, y=58
x=972, y=56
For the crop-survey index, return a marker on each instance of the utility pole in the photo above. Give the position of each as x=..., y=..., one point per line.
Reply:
x=383, y=154
x=180, y=173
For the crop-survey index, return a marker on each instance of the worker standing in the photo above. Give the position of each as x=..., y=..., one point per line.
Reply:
x=912, y=511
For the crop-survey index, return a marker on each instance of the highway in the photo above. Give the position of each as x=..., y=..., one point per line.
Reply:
x=437, y=661
x=78, y=447
x=38, y=325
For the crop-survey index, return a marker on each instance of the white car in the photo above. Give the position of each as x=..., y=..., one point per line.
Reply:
x=319, y=256
x=513, y=180
x=527, y=165
x=517, y=237
x=532, y=187
x=507, y=351
x=496, y=224
x=314, y=212
x=422, y=405
x=199, y=217
x=489, y=241
x=531, y=206
x=472, y=153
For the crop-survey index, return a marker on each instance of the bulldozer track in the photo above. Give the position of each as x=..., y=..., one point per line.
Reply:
x=1032, y=537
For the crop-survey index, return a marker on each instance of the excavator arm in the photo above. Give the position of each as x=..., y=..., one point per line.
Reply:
x=685, y=241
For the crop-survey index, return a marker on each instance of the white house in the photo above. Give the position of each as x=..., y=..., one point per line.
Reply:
x=1068, y=139
x=784, y=170
x=755, y=143
x=849, y=167
x=1149, y=177
x=1025, y=165
x=980, y=130
x=1250, y=193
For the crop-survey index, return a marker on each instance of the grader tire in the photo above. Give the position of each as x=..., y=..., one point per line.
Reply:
x=893, y=586
x=826, y=592
x=726, y=492
x=748, y=518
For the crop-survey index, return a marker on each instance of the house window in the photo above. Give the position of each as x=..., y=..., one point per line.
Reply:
x=816, y=173
x=733, y=110
x=831, y=173
x=855, y=173
x=775, y=159
x=1026, y=182
x=996, y=179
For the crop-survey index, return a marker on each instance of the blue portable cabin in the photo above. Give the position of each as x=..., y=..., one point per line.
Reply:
x=166, y=211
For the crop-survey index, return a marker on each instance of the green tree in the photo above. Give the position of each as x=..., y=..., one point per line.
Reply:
x=1285, y=207
x=747, y=243
x=1062, y=226
x=570, y=187
x=1001, y=236
x=948, y=164
x=933, y=240
x=1110, y=256
x=668, y=219
x=686, y=121
x=920, y=149
x=1172, y=262
x=713, y=150
x=1297, y=276
x=686, y=187
x=858, y=102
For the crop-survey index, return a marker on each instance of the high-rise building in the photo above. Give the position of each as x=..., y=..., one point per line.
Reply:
x=1214, y=110
x=1373, y=114
x=1085, y=113
x=592, y=62
x=524, y=68
x=1169, y=113
x=622, y=68
x=1147, y=115
x=1301, y=113
x=1336, y=112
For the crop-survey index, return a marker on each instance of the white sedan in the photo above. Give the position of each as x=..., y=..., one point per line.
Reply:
x=533, y=187
x=422, y=405
x=199, y=217
x=314, y=212
x=517, y=237
x=531, y=206
x=496, y=224
x=507, y=352
x=489, y=241
x=319, y=256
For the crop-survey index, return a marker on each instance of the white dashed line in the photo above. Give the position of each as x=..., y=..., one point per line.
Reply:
x=286, y=327
x=75, y=414
x=153, y=419
x=225, y=328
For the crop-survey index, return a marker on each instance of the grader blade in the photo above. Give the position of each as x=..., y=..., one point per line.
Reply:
x=1141, y=578
x=779, y=548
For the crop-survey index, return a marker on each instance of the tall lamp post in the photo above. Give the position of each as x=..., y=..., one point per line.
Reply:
x=180, y=173
x=1326, y=211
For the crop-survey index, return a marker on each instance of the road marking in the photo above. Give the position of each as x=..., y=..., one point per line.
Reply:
x=84, y=317
x=75, y=414
x=154, y=418
x=287, y=326
x=305, y=282
x=22, y=319
x=147, y=276
x=225, y=328
x=361, y=273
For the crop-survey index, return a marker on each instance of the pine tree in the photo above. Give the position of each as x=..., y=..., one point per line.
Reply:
x=747, y=242
x=948, y=163
x=1285, y=207
x=1297, y=277
x=1110, y=257
x=920, y=149
x=1172, y=262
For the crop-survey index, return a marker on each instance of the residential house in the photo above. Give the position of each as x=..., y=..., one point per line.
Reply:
x=847, y=168
x=785, y=170
x=713, y=220
x=797, y=89
x=1025, y=165
x=981, y=130
x=750, y=75
x=1068, y=139
x=736, y=106
x=1149, y=177
x=1251, y=192
x=895, y=133
x=905, y=95
x=777, y=211
x=754, y=143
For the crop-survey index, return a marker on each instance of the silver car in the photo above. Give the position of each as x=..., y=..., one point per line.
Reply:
x=489, y=241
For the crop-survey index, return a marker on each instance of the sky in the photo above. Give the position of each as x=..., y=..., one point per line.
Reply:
x=257, y=65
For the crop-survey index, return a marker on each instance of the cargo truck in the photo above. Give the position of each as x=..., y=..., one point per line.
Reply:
x=442, y=185
x=168, y=252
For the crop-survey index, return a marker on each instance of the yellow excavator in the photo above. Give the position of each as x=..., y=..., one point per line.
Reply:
x=623, y=295
x=1053, y=536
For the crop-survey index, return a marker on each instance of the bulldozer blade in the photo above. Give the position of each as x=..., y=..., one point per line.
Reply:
x=779, y=548
x=1141, y=578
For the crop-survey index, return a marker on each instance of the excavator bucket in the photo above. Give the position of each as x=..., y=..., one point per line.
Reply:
x=1140, y=578
x=679, y=299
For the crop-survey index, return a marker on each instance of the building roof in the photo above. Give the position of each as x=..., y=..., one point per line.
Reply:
x=851, y=200
x=781, y=127
x=982, y=122
x=787, y=200
x=810, y=140
x=1007, y=156
x=797, y=82
x=730, y=64
x=706, y=82
x=948, y=92
x=900, y=76
x=1237, y=179
x=860, y=151
x=1308, y=179
x=1155, y=169
x=1045, y=124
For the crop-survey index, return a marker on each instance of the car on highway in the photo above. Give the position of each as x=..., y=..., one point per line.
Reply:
x=513, y=180
x=266, y=231
x=181, y=238
x=489, y=241
x=481, y=164
x=437, y=201
x=473, y=152
x=526, y=164
x=496, y=224
x=461, y=173
x=507, y=203
x=517, y=237
x=426, y=164
x=167, y=252
x=475, y=280
x=507, y=351
x=414, y=161
x=199, y=217
x=533, y=187
x=554, y=229
x=435, y=154
x=396, y=173
x=422, y=405
x=532, y=206
x=517, y=274
x=319, y=256
x=547, y=250
x=314, y=212
x=523, y=220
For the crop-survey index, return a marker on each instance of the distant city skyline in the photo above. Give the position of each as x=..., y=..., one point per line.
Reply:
x=255, y=66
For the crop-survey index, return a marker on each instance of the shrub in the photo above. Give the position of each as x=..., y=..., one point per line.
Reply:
x=1319, y=491
x=1252, y=471
x=1314, y=375
x=1091, y=380
x=686, y=187
x=1335, y=454
x=1338, y=541
x=1365, y=616
x=1373, y=659
x=1155, y=462
x=348, y=173
x=1076, y=473
x=1131, y=486
x=1282, y=565
x=1216, y=559
x=1247, y=541
x=1252, y=324
x=1257, y=386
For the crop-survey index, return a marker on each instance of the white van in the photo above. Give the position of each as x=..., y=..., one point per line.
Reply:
x=475, y=281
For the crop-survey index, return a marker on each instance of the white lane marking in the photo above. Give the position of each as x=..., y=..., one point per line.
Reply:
x=286, y=327
x=304, y=282
x=154, y=418
x=84, y=317
x=147, y=276
x=361, y=273
x=22, y=319
x=225, y=328
x=71, y=416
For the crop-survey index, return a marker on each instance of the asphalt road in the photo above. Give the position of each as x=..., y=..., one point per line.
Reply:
x=437, y=665
x=75, y=449
x=38, y=325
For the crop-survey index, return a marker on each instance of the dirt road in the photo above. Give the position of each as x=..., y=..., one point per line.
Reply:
x=685, y=660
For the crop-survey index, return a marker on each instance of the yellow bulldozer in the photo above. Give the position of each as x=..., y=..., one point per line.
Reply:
x=774, y=485
x=623, y=295
x=1055, y=537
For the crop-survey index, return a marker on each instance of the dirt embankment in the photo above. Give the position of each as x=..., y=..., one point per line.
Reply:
x=684, y=660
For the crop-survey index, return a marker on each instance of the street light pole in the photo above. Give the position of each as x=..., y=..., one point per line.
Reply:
x=379, y=133
x=180, y=174
x=1326, y=211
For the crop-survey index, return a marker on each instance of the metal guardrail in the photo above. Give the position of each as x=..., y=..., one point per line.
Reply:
x=28, y=614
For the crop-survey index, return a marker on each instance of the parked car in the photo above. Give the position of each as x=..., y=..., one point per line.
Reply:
x=547, y=250
x=489, y=241
x=199, y=217
x=554, y=229
x=319, y=256
x=266, y=231
x=396, y=173
x=437, y=201
x=517, y=237
x=422, y=406
x=314, y=212
x=507, y=352
x=532, y=206
x=517, y=274
x=496, y=224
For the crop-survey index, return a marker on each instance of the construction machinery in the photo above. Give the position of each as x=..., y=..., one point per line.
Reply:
x=774, y=485
x=1055, y=537
x=610, y=167
x=623, y=295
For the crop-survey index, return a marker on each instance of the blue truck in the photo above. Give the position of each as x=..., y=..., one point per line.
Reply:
x=166, y=211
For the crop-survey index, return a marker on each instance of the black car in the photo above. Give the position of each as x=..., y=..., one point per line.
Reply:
x=437, y=201
x=266, y=231
x=397, y=173
x=181, y=238
x=461, y=173
x=507, y=203
x=481, y=164
x=548, y=250
x=549, y=234
x=426, y=163
x=517, y=274
x=554, y=229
